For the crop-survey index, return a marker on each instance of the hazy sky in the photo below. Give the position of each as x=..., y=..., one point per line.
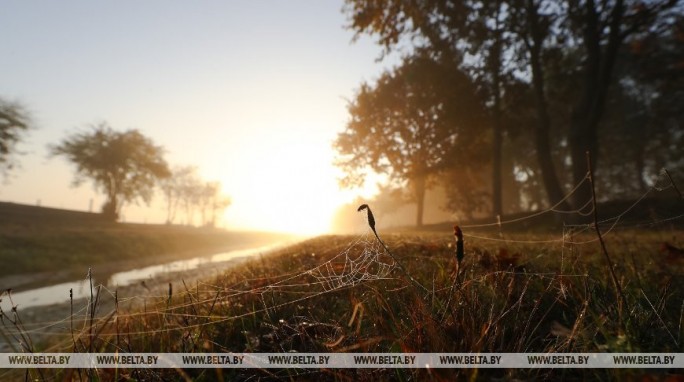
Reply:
x=253, y=93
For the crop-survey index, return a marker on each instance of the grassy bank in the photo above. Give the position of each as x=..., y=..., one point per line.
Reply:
x=525, y=293
x=34, y=239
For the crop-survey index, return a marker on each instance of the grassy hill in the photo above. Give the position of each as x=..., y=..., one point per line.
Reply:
x=35, y=239
x=532, y=292
x=337, y=294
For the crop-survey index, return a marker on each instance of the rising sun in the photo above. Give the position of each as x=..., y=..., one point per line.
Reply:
x=291, y=186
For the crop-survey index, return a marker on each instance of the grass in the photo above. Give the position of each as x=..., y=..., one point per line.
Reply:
x=34, y=239
x=510, y=296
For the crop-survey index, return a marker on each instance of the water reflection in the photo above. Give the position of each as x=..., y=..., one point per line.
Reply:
x=47, y=295
x=127, y=277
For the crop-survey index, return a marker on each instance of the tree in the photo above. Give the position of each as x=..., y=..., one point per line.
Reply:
x=410, y=125
x=457, y=31
x=601, y=30
x=124, y=165
x=14, y=122
x=644, y=113
x=526, y=39
x=185, y=187
x=180, y=188
x=189, y=188
x=212, y=203
x=171, y=188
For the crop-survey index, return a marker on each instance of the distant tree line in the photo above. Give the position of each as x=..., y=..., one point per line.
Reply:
x=187, y=194
x=520, y=90
x=126, y=166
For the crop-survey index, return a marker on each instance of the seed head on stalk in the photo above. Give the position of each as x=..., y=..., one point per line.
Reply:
x=371, y=219
x=459, y=243
x=459, y=257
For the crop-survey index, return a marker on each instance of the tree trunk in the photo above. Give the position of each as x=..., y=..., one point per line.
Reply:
x=497, y=207
x=587, y=115
x=169, y=208
x=419, y=186
x=543, y=129
x=497, y=139
x=109, y=209
x=548, y=171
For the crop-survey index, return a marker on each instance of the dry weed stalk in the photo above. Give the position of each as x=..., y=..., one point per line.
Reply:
x=622, y=301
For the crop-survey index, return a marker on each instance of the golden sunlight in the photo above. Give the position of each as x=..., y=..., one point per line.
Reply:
x=289, y=184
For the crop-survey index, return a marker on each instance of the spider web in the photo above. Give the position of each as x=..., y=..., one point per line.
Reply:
x=365, y=260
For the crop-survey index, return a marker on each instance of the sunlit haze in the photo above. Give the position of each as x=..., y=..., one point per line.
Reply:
x=252, y=93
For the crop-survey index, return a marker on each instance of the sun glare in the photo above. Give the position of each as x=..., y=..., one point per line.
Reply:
x=291, y=185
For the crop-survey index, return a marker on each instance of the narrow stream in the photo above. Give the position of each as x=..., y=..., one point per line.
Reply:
x=59, y=293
